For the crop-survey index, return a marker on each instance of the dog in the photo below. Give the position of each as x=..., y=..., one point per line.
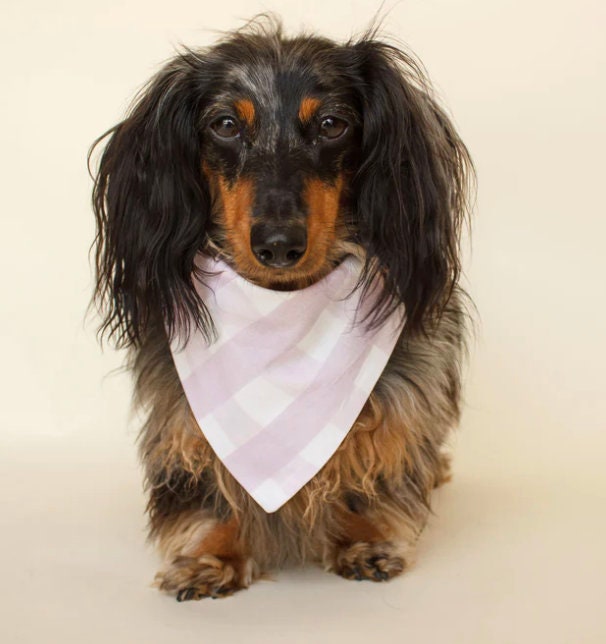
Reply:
x=284, y=156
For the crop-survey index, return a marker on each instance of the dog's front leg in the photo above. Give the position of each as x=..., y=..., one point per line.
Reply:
x=367, y=547
x=204, y=557
x=386, y=480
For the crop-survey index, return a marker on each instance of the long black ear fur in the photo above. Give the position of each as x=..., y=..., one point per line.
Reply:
x=152, y=209
x=412, y=186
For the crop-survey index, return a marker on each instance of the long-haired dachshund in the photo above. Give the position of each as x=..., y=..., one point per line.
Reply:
x=283, y=156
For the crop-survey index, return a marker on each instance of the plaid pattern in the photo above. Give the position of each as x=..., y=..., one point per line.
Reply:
x=286, y=378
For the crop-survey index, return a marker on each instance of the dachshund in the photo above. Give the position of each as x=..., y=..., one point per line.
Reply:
x=283, y=156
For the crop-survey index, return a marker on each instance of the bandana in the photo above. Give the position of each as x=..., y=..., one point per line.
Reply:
x=279, y=388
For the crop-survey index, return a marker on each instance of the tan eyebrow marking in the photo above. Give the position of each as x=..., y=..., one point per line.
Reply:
x=246, y=111
x=308, y=108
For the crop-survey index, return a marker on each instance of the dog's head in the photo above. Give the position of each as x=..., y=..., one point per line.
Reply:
x=281, y=155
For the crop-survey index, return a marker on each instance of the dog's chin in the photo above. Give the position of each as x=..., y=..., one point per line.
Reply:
x=283, y=279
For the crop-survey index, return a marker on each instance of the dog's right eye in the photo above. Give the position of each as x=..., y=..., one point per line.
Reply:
x=332, y=127
x=225, y=127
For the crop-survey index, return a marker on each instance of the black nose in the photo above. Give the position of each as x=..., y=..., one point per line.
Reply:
x=278, y=247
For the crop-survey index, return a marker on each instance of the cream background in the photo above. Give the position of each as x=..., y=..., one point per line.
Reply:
x=515, y=551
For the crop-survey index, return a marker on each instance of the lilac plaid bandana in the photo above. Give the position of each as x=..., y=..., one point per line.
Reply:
x=288, y=374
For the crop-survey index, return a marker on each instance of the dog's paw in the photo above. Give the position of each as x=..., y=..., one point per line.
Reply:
x=190, y=578
x=374, y=561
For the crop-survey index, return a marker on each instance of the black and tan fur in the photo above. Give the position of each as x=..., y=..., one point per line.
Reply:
x=337, y=150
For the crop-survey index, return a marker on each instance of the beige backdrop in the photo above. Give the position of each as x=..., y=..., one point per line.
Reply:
x=515, y=551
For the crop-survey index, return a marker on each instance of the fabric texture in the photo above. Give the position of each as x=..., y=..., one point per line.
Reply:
x=287, y=375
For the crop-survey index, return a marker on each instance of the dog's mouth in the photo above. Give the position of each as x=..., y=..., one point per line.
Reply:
x=281, y=272
x=278, y=278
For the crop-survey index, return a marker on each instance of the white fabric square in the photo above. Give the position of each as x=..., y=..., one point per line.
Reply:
x=324, y=335
x=220, y=440
x=323, y=444
x=272, y=494
x=367, y=376
x=264, y=300
x=262, y=400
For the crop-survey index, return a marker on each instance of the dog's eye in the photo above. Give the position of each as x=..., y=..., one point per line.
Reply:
x=226, y=127
x=332, y=127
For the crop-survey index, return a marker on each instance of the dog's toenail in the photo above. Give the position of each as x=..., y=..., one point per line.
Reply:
x=186, y=594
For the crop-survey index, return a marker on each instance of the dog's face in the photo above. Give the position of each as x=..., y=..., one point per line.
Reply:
x=281, y=155
x=279, y=146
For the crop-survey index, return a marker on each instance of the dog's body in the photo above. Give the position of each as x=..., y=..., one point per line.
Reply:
x=282, y=157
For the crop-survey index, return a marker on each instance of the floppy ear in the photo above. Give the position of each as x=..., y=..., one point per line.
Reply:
x=411, y=188
x=152, y=208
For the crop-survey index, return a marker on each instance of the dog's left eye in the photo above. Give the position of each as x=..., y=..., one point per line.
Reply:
x=225, y=127
x=332, y=127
